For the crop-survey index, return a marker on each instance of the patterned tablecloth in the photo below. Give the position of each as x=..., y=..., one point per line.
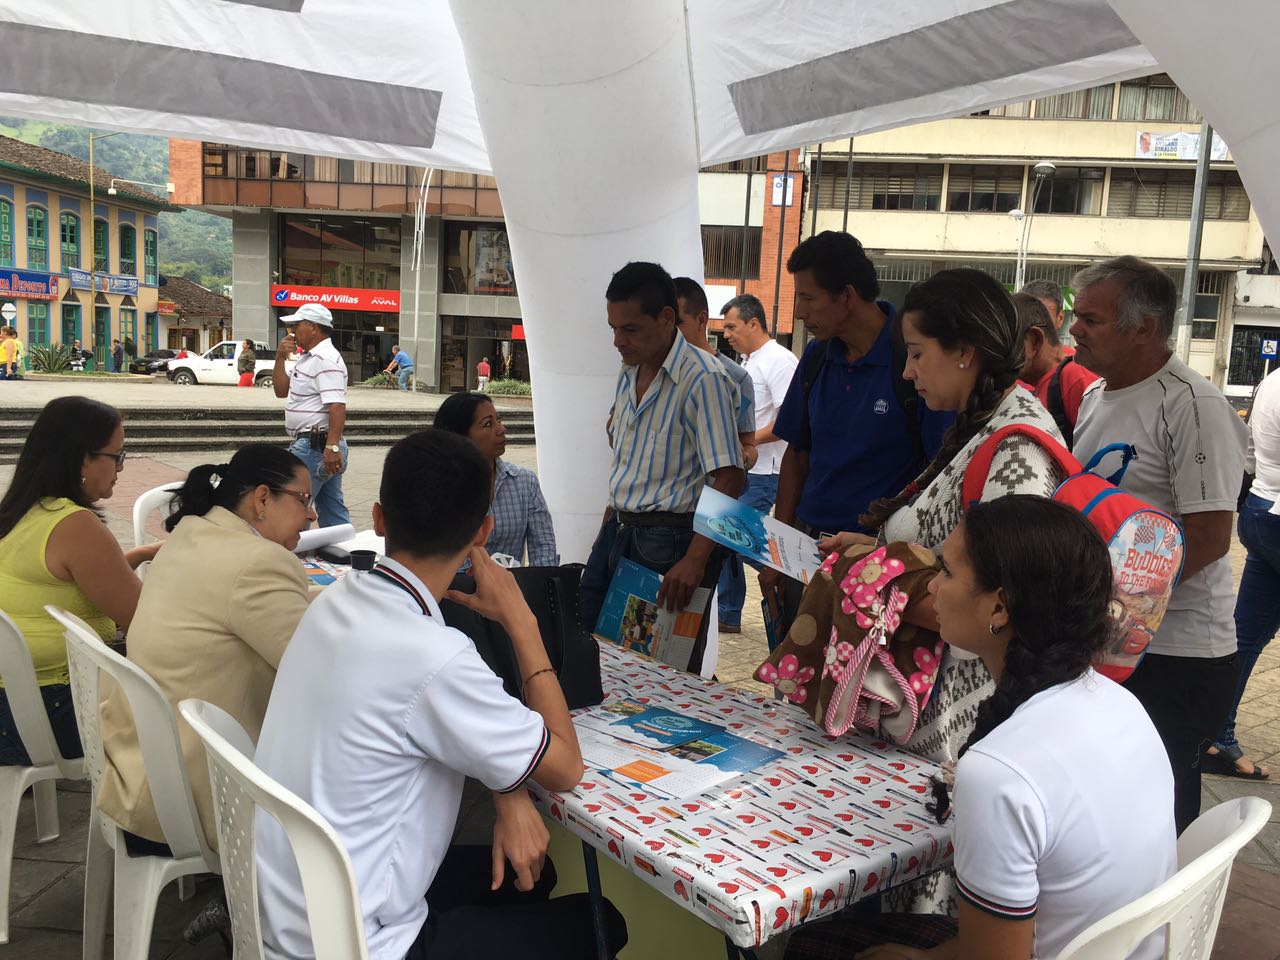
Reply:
x=800, y=826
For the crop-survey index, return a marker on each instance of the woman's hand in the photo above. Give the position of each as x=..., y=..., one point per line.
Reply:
x=843, y=541
x=140, y=555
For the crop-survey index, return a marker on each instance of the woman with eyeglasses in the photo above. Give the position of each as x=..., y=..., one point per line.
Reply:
x=56, y=549
x=218, y=607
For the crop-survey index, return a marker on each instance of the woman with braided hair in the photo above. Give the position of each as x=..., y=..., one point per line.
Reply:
x=1063, y=806
x=965, y=350
x=218, y=606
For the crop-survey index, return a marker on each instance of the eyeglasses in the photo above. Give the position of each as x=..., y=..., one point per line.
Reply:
x=118, y=456
x=303, y=498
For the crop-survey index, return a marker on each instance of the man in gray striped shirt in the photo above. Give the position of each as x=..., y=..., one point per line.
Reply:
x=674, y=430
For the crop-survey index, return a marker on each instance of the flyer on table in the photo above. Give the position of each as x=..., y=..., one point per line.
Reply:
x=631, y=617
x=753, y=534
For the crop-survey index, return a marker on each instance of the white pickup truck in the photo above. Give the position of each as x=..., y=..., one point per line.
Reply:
x=218, y=365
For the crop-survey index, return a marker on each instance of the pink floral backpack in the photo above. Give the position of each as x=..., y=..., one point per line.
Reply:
x=849, y=659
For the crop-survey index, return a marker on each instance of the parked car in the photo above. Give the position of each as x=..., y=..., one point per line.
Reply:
x=218, y=365
x=154, y=362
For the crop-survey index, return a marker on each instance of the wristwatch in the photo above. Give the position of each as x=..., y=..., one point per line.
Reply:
x=334, y=447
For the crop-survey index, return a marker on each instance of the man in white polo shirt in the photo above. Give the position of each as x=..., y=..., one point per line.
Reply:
x=316, y=410
x=771, y=367
x=379, y=711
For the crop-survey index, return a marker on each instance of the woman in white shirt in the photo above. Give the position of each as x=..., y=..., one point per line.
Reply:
x=1063, y=806
x=1257, y=613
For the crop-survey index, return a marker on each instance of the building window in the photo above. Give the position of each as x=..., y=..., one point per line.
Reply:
x=361, y=252
x=320, y=168
x=37, y=324
x=37, y=239
x=1091, y=104
x=6, y=233
x=101, y=247
x=1071, y=190
x=881, y=186
x=70, y=323
x=1210, y=287
x=1019, y=109
x=69, y=235
x=723, y=251
x=985, y=188
x=1155, y=98
x=150, y=341
x=216, y=161
x=151, y=256
x=477, y=259
x=749, y=165
x=128, y=250
x=1167, y=193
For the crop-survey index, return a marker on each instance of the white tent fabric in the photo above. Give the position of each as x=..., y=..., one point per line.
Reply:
x=594, y=115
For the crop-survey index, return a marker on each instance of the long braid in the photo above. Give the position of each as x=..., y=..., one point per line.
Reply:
x=962, y=307
x=1055, y=572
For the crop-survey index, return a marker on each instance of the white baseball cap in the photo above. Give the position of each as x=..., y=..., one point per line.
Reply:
x=312, y=312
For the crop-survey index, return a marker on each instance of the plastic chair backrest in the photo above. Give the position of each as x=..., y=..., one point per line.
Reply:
x=1189, y=904
x=156, y=727
x=157, y=498
x=27, y=705
x=328, y=881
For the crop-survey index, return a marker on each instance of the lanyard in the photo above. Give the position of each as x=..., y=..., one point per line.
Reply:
x=391, y=576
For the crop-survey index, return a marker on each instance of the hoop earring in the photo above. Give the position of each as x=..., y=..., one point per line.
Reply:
x=993, y=628
x=263, y=516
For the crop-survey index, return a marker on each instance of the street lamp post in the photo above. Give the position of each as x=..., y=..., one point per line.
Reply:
x=1043, y=171
x=93, y=246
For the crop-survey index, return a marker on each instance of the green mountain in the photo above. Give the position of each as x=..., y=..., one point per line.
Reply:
x=192, y=244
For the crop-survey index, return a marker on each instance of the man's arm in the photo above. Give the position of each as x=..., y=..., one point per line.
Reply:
x=279, y=376
x=766, y=435
x=686, y=576
x=337, y=420
x=1207, y=537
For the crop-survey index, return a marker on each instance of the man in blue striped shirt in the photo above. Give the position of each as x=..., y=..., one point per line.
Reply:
x=674, y=431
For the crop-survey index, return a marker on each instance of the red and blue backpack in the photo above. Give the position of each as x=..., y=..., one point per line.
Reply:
x=1146, y=544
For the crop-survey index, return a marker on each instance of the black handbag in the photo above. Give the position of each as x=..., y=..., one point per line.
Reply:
x=552, y=595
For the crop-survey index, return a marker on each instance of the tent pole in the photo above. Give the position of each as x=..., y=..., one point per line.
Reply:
x=1191, y=275
x=782, y=235
x=848, y=182
x=813, y=193
x=746, y=231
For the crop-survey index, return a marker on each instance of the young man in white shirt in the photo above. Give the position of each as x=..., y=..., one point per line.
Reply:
x=1190, y=449
x=771, y=367
x=380, y=710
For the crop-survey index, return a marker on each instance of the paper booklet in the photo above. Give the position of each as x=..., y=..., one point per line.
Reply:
x=632, y=618
x=753, y=534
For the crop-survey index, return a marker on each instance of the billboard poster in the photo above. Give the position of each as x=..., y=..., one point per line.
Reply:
x=1175, y=146
x=494, y=273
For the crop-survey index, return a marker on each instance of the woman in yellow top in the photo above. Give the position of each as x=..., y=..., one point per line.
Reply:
x=242, y=593
x=54, y=548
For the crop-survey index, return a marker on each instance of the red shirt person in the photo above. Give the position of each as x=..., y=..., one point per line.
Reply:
x=483, y=372
x=1055, y=378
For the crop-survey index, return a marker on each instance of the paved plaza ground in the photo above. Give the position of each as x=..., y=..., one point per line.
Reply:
x=48, y=879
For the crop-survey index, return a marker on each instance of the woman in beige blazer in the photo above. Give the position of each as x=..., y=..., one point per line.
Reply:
x=218, y=606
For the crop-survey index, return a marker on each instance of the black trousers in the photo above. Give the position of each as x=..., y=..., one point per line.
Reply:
x=468, y=920
x=1188, y=699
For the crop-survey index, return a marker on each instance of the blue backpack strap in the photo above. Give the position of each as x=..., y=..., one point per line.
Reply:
x=1127, y=455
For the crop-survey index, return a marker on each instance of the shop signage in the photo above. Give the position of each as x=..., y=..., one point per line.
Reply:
x=28, y=284
x=105, y=282
x=167, y=307
x=336, y=298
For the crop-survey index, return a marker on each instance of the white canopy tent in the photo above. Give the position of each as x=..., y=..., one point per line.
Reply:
x=595, y=115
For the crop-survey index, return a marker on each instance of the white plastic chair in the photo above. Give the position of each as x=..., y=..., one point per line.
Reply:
x=47, y=762
x=157, y=498
x=328, y=881
x=135, y=881
x=1189, y=904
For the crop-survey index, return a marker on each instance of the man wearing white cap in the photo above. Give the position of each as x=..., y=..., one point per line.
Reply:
x=316, y=409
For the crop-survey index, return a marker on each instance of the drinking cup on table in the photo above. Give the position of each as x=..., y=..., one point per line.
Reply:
x=363, y=559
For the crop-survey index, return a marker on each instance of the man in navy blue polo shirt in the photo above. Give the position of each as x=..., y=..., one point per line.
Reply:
x=857, y=433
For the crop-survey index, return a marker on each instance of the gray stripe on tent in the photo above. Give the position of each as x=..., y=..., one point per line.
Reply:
x=287, y=6
x=151, y=76
x=1024, y=35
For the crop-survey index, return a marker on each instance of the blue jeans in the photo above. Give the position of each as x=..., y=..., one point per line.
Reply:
x=402, y=377
x=1257, y=603
x=62, y=718
x=761, y=492
x=326, y=488
x=658, y=548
